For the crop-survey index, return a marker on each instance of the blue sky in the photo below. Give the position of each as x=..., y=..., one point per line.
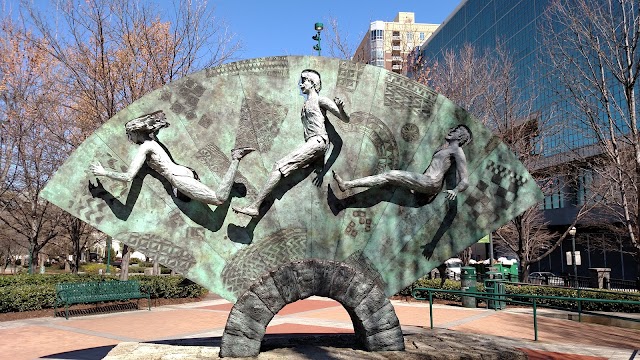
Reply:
x=270, y=28
x=285, y=27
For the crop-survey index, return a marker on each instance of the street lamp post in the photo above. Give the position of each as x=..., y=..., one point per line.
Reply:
x=316, y=37
x=572, y=232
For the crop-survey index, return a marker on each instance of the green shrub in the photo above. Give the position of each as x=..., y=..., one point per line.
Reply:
x=170, y=286
x=537, y=290
x=94, y=268
x=35, y=292
x=568, y=292
x=424, y=282
x=26, y=297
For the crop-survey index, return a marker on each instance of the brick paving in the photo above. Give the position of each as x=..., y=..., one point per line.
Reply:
x=202, y=323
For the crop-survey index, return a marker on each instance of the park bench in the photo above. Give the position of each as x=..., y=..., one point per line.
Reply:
x=97, y=291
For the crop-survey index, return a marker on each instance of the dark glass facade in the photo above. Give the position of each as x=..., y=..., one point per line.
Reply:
x=517, y=25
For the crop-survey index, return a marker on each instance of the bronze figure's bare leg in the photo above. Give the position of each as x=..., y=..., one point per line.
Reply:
x=253, y=209
x=412, y=181
x=227, y=181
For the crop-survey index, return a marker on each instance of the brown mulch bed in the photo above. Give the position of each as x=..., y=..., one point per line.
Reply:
x=86, y=309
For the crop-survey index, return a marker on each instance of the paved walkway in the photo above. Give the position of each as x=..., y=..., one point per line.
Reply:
x=202, y=323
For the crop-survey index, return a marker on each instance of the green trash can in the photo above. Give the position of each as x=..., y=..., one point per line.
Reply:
x=468, y=283
x=494, y=285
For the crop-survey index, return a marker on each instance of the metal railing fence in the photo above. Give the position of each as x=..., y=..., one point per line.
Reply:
x=534, y=302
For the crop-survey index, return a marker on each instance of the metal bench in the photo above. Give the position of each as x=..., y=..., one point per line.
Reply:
x=97, y=291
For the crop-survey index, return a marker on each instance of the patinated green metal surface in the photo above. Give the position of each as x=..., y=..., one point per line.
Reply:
x=389, y=232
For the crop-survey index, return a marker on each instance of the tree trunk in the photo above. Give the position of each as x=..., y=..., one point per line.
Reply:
x=41, y=260
x=156, y=267
x=637, y=258
x=524, y=271
x=76, y=256
x=124, y=265
x=33, y=258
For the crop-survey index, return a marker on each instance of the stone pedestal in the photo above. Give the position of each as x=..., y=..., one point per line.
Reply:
x=375, y=323
x=599, y=278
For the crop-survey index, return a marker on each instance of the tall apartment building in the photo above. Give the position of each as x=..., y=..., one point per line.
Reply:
x=387, y=44
x=516, y=24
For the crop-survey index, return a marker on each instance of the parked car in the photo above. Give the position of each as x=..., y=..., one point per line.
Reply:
x=545, y=278
x=454, y=267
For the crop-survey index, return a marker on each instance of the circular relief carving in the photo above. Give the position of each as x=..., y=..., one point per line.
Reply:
x=410, y=132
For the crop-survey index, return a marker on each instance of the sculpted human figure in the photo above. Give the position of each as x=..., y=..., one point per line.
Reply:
x=313, y=115
x=430, y=182
x=142, y=131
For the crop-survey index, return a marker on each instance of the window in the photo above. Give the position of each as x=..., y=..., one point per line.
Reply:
x=421, y=36
x=409, y=37
x=554, y=195
x=377, y=34
x=377, y=53
x=585, y=186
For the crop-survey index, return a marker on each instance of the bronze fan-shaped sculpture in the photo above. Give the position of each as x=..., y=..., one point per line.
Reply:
x=389, y=230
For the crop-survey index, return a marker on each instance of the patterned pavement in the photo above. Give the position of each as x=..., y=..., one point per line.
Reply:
x=202, y=323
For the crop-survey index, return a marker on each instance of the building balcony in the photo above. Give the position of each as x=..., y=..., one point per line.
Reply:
x=395, y=38
x=395, y=48
x=397, y=67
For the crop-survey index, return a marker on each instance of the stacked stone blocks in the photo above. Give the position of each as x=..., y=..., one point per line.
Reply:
x=375, y=323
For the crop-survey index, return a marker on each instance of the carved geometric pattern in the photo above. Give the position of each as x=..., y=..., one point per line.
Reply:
x=218, y=163
x=116, y=188
x=260, y=123
x=247, y=264
x=90, y=210
x=380, y=136
x=401, y=93
x=503, y=172
x=349, y=74
x=488, y=200
x=410, y=132
x=187, y=97
x=175, y=220
x=272, y=66
x=158, y=248
x=363, y=223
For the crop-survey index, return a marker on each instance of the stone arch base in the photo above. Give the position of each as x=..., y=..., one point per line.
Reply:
x=375, y=323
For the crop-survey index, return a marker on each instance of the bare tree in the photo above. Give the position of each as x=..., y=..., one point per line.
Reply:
x=594, y=57
x=117, y=51
x=28, y=99
x=79, y=235
x=338, y=41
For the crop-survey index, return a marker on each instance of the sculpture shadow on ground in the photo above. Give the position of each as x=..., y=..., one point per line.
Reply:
x=95, y=353
x=277, y=341
x=321, y=343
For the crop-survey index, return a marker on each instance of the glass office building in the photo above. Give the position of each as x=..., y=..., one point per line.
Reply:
x=516, y=24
